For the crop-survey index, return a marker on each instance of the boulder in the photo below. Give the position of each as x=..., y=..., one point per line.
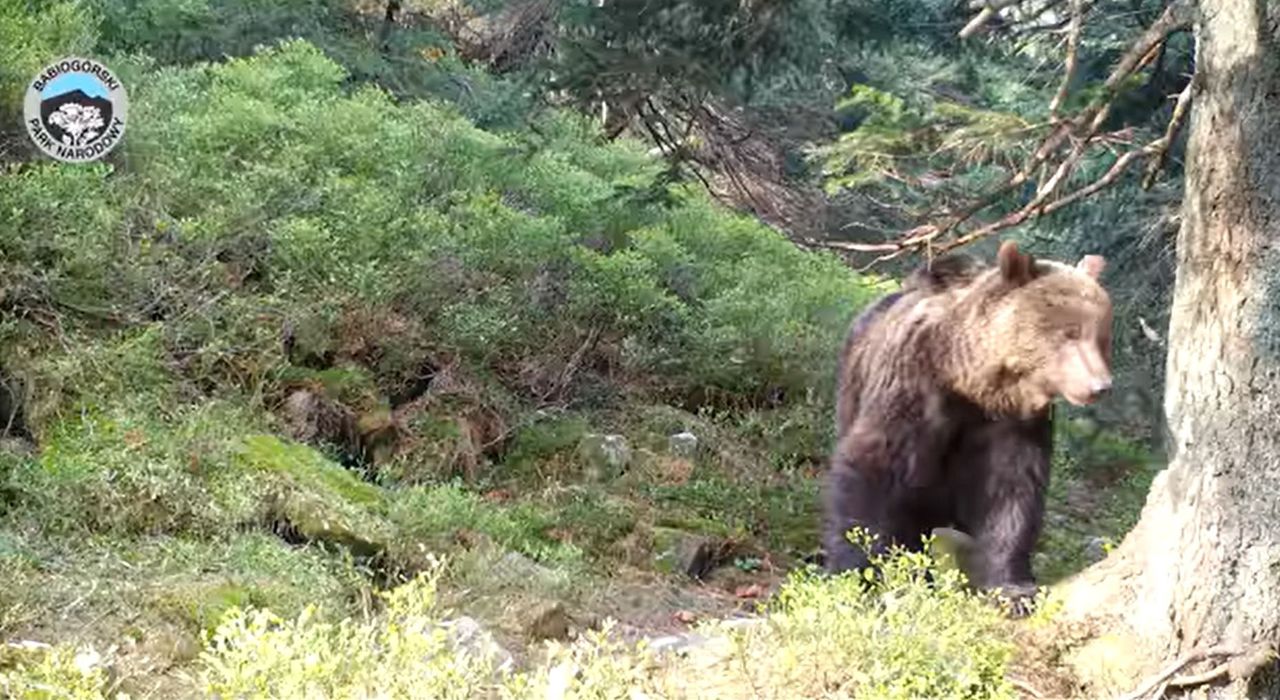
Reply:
x=683, y=444
x=1095, y=549
x=468, y=637
x=604, y=457
x=676, y=551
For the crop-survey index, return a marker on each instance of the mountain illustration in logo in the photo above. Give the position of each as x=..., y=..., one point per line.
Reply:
x=75, y=109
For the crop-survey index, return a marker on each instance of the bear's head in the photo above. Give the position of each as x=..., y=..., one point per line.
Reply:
x=1044, y=330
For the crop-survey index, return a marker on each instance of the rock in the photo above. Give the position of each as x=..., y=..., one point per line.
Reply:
x=953, y=549
x=17, y=447
x=683, y=444
x=551, y=623
x=674, y=643
x=605, y=457
x=676, y=551
x=1095, y=549
x=468, y=637
x=310, y=418
x=515, y=567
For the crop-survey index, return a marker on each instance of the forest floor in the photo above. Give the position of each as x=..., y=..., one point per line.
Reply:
x=667, y=543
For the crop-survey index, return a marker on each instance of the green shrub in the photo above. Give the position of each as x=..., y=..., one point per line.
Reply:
x=63, y=672
x=265, y=170
x=405, y=654
x=31, y=37
x=824, y=637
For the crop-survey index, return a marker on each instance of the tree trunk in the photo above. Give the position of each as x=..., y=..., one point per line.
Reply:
x=1202, y=567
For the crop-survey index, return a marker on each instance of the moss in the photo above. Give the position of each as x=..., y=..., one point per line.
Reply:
x=693, y=523
x=201, y=605
x=317, y=499
x=309, y=471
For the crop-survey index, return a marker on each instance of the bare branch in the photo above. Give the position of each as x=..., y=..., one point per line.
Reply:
x=992, y=8
x=1073, y=48
x=1081, y=131
x=1177, y=16
x=1170, y=133
x=1241, y=663
x=1190, y=657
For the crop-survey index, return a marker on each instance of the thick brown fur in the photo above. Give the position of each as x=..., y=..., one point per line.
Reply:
x=942, y=406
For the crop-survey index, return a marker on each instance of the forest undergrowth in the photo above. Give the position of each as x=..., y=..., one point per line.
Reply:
x=306, y=377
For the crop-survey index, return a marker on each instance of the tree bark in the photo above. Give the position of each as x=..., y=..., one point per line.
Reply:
x=1202, y=567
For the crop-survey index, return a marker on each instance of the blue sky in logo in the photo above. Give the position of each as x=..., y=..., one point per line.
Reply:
x=87, y=83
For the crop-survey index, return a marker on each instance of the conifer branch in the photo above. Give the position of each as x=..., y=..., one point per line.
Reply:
x=1081, y=131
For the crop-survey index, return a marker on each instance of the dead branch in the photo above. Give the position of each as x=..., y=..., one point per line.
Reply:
x=1170, y=133
x=1195, y=679
x=1177, y=16
x=992, y=8
x=1241, y=663
x=1198, y=654
x=1082, y=131
x=1073, y=48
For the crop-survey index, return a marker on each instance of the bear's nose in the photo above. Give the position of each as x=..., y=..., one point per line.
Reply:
x=1100, y=386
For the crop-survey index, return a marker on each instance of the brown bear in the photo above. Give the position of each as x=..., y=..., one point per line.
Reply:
x=943, y=407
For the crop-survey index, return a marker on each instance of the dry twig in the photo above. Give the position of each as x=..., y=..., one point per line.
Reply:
x=1073, y=48
x=992, y=8
x=1242, y=663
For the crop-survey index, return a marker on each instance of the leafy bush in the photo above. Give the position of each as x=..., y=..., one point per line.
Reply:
x=405, y=654
x=823, y=637
x=62, y=673
x=263, y=171
x=30, y=37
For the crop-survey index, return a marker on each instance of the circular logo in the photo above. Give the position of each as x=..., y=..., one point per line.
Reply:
x=75, y=110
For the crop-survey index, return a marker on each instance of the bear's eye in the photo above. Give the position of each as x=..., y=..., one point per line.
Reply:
x=1072, y=333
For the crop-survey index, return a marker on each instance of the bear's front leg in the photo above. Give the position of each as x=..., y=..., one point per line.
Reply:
x=883, y=486
x=852, y=500
x=1012, y=475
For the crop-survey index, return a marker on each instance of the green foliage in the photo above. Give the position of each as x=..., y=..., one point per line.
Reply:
x=722, y=46
x=895, y=140
x=298, y=184
x=951, y=641
x=32, y=36
x=405, y=654
x=263, y=168
x=545, y=440
x=62, y=673
x=823, y=636
x=435, y=514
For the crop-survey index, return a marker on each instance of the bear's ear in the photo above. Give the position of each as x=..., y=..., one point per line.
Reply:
x=1015, y=266
x=1092, y=265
